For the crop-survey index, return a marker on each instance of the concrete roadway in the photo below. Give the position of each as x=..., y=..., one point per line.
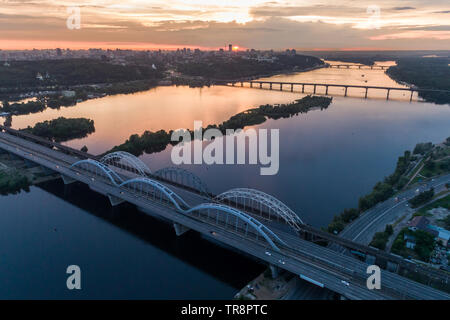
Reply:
x=321, y=264
x=374, y=220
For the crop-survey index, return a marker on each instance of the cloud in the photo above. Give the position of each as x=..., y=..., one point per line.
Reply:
x=403, y=8
x=275, y=24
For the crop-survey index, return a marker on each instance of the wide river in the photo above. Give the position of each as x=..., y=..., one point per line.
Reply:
x=328, y=159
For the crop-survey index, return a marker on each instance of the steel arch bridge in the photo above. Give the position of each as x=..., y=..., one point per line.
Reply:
x=238, y=221
x=153, y=189
x=263, y=204
x=219, y=214
x=98, y=169
x=183, y=177
x=126, y=161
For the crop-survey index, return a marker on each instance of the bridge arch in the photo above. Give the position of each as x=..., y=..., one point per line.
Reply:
x=241, y=221
x=126, y=161
x=151, y=188
x=183, y=177
x=262, y=204
x=98, y=169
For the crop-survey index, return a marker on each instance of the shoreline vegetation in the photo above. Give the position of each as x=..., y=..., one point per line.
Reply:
x=150, y=142
x=62, y=129
x=431, y=160
x=13, y=182
x=424, y=73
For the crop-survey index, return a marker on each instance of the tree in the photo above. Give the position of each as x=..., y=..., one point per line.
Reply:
x=389, y=230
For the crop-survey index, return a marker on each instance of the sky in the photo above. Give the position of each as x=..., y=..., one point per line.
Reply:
x=211, y=24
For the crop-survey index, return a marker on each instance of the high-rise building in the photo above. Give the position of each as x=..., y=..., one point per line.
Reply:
x=230, y=47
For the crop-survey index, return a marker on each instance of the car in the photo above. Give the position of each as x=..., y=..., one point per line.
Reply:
x=345, y=282
x=281, y=261
x=268, y=253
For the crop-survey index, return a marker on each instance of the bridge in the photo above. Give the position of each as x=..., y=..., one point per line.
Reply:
x=357, y=66
x=248, y=220
x=270, y=85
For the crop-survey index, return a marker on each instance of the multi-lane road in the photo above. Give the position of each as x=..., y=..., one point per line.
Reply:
x=374, y=220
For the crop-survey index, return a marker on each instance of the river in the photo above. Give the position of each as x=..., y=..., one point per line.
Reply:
x=328, y=159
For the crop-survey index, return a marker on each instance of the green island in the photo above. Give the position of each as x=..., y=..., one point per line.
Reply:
x=62, y=129
x=426, y=161
x=12, y=182
x=150, y=142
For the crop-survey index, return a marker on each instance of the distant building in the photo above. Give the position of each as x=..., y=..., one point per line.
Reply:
x=68, y=93
x=418, y=223
x=410, y=241
x=230, y=47
x=442, y=235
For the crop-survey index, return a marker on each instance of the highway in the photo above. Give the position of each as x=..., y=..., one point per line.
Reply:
x=335, y=271
x=374, y=220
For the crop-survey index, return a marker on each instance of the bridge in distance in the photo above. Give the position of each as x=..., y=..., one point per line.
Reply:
x=270, y=85
x=245, y=219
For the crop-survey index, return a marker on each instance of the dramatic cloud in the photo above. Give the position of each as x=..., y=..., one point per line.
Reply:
x=390, y=24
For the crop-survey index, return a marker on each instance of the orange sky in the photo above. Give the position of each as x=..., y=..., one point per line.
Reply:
x=260, y=24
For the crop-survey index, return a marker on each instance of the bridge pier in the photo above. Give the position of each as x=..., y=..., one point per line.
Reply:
x=260, y=85
x=251, y=84
x=271, y=86
x=315, y=86
x=326, y=90
x=388, y=92
x=292, y=87
x=346, y=88
x=242, y=84
x=67, y=180
x=114, y=200
x=410, y=99
x=180, y=229
x=281, y=87
x=275, y=271
x=303, y=88
x=367, y=91
x=393, y=267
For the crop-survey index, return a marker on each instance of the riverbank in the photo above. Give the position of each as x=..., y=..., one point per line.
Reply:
x=424, y=162
x=16, y=175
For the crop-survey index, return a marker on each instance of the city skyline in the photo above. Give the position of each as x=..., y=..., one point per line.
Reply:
x=307, y=25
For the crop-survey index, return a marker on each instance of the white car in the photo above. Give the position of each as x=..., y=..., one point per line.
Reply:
x=281, y=261
x=345, y=282
x=268, y=253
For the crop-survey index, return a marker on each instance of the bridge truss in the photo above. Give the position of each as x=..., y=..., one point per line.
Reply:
x=262, y=204
x=126, y=161
x=183, y=177
x=98, y=169
x=236, y=221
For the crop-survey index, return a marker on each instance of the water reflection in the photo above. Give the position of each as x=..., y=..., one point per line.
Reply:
x=122, y=252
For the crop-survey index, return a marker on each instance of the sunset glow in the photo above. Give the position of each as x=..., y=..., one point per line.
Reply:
x=139, y=24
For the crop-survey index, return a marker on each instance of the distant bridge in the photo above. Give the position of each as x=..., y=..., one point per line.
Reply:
x=358, y=66
x=291, y=85
x=246, y=219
